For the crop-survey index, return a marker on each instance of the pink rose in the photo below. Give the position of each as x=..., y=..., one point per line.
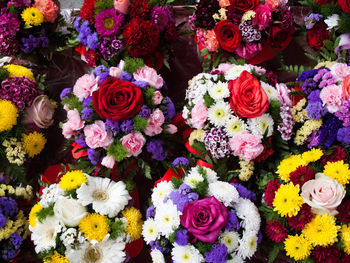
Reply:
x=84, y=86
x=248, y=50
x=122, y=6
x=115, y=72
x=323, y=194
x=171, y=129
x=74, y=123
x=157, y=97
x=108, y=161
x=199, y=115
x=224, y=67
x=331, y=96
x=40, y=112
x=154, y=123
x=262, y=17
x=246, y=145
x=150, y=76
x=133, y=143
x=340, y=71
x=97, y=136
x=48, y=8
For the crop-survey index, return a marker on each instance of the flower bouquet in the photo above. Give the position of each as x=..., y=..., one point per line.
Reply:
x=118, y=114
x=24, y=111
x=199, y=218
x=109, y=31
x=246, y=29
x=233, y=112
x=84, y=219
x=306, y=207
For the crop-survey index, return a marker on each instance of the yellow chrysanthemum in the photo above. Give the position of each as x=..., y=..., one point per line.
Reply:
x=8, y=115
x=345, y=238
x=312, y=156
x=133, y=222
x=322, y=230
x=94, y=227
x=297, y=247
x=33, y=214
x=287, y=200
x=56, y=258
x=289, y=165
x=32, y=16
x=72, y=180
x=33, y=143
x=19, y=71
x=338, y=170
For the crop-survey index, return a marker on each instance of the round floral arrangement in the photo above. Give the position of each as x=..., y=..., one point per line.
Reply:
x=199, y=218
x=233, y=112
x=84, y=219
x=306, y=206
x=118, y=114
x=24, y=111
x=244, y=29
x=110, y=30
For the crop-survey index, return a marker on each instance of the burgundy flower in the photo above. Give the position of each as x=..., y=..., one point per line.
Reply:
x=276, y=231
x=338, y=154
x=344, y=212
x=330, y=254
x=302, y=218
x=140, y=9
x=270, y=191
x=301, y=175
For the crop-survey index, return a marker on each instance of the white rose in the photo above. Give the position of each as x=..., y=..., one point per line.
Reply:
x=70, y=211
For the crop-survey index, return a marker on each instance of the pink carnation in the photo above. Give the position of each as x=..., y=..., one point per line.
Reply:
x=211, y=42
x=157, y=98
x=262, y=17
x=133, y=143
x=84, y=86
x=283, y=94
x=246, y=145
x=154, y=123
x=200, y=35
x=340, y=71
x=331, y=96
x=97, y=136
x=74, y=123
x=108, y=161
x=171, y=129
x=48, y=8
x=248, y=50
x=150, y=76
x=115, y=72
x=199, y=115
x=224, y=67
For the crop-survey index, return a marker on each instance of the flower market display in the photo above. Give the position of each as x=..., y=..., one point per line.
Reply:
x=84, y=219
x=307, y=206
x=248, y=29
x=109, y=31
x=24, y=111
x=199, y=218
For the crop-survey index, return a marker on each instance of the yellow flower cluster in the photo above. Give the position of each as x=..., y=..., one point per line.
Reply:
x=56, y=258
x=220, y=15
x=8, y=115
x=20, y=226
x=133, y=222
x=338, y=170
x=196, y=135
x=312, y=156
x=19, y=71
x=298, y=111
x=14, y=151
x=297, y=247
x=94, y=227
x=345, y=237
x=305, y=131
x=246, y=171
x=249, y=15
x=72, y=180
x=23, y=192
x=33, y=143
x=33, y=214
x=325, y=64
x=287, y=200
x=32, y=16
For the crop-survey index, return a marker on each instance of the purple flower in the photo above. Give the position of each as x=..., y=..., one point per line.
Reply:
x=92, y=41
x=9, y=23
x=181, y=161
x=329, y=129
x=19, y=3
x=16, y=240
x=312, y=19
x=344, y=113
x=109, y=22
x=127, y=126
x=161, y=245
x=217, y=255
x=125, y=76
x=87, y=101
x=155, y=147
x=109, y=47
x=249, y=32
x=244, y=192
x=343, y=135
x=170, y=111
x=159, y=18
x=181, y=237
x=216, y=141
x=8, y=206
x=150, y=212
x=315, y=110
x=113, y=126
x=314, y=96
x=260, y=237
x=87, y=113
x=94, y=156
x=80, y=140
x=313, y=139
x=32, y=42
x=8, y=44
x=65, y=92
x=84, y=31
x=141, y=84
x=102, y=72
x=3, y=220
x=232, y=222
x=145, y=112
x=307, y=74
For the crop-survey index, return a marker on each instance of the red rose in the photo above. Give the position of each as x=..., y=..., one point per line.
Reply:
x=117, y=100
x=248, y=99
x=278, y=35
x=228, y=35
x=142, y=37
x=345, y=5
x=317, y=35
x=244, y=5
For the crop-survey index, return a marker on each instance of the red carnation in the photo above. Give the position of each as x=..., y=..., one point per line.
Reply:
x=270, y=191
x=338, y=154
x=301, y=175
x=317, y=35
x=267, y=152
x=139, y=9
x=302, y=218
x=330, y=254
x=87, y=11
x=276, y=231
x=344, y=212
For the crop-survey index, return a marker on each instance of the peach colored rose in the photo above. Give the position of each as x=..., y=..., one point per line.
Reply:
x=154, y=123
x=48, y=8
x=346, y=87
x=74, y=123
x=41, y=112
x=97, y=136
x=133, y=142
x=122, y=6
x=199, y=115
x=224, y=3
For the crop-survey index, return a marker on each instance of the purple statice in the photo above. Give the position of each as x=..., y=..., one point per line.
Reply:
x=87, y=113
x=329, y=129
x=145, y=112
x=8, y=206
x=8, y=253
x=150, y=212
x=325, y=78
x=308, y=86
x=65, y=93
x=244, y=192
x=102, y=72
x=94, y=156
x=313, y=139
x=344, y=113
x=315, y=110
x=249, y=32
x=87, y=101
x=83, y=31
x=3, y=220
x=109, y=47
x=216, y=141
x=76, y=23
x=141, y=84
x=125, y=76
x=232, y=222
x=181, y=237
x=112, y=126
x=314, y=96
x=286, y=128
x=170, y=110
x=311, y=20
x=155, y=147
x=16, y=240
x=31, y=43
x=260, y=237
x=127, y=126
x=92, y=41
x=109, y=22
x=307, y=74
x=217, y=255
x=161, y=245
x=159, y=18
x=343, y=135
x=180, y=161
x=80, y=140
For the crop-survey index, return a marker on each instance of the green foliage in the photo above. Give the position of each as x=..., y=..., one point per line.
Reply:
x=208, y=101
x=275, y=109
x=45, y=212
x=277, y=247
x=130, y=185
x=102, y=5
x=117, y=228
x=330, y=9
x=268, y=213
x=344, y=23
x=145, y=168
x=118, y=151
x=16, y=173
x=46, y=253
x=315, y=7
x=173, y=236
x=176, y=182
x=41, y=79
x=132, y=64
x=202, y=188
x=203, y=247
x=140, y=124
x=148, y=96
x=73, y=103
x=4, y=74
x=264, y=178
x=296, y=69
x=198, y=146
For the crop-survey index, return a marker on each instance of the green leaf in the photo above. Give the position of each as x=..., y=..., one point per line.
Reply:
x=275, y=251
x=208, y=100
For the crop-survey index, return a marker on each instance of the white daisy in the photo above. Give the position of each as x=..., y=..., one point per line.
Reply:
x=219, y=91
x=167, y=218
x=183, y=254
x=332, y=21
x=235, y=125
x=219, y=113
x=51, y=194
x=235, y=259
x=161, y=193
x=157, y=256
x=247, y=245
x=224, y=192
x=149, y=230
x=234, y=72
x=261, y=125
x=271, y=92
x=230, y=239
x=193, y=178
x=106, y=196
x=248, y=212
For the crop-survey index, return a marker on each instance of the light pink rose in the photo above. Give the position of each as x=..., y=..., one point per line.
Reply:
x=323, y=194
x=74, y=123
x=224, y=67
x=84, y=86
x=108, y=161
x=48, y=8
x=115, y=72
x=154, y=123
x=122, y=6
x=40, y=112
x=246, y=145
x=262, y=17
x=133, y=142
x=150, y=76
x=97, y=136
x=340, y=71
x=200, y=35
x=171, y=129
x=199, y=115
x=332, y=97
x=157, y=97
x=283, y=94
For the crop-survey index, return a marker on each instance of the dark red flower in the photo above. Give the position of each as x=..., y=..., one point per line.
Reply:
x=91, y=56
x=317, y=35
x=276, y=231
x=271, y=78
x=323, y=2
x=171, y=33
x=330, y=254
x=301, y=175
x=139, y=9
x=87, y=11
x=244, y=5
x=345, y=5
x=302, y=218
x=338, y=154
x=267, y=152
x=270, y=191
x=346, y=258
x=344, y=212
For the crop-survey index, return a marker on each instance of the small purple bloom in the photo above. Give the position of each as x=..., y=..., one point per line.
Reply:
x=145, y=112
x=3, y=220
x=343, y=135
x=8, y=206
x=113, y=126
x=125, y=76
x=141, y=84
x=127, y=126
x=244, y=192
x=87, y=113
x=181, y=237
x=94, y=156
x=217, y=255
x=181, y=161
x=86, y=101
x=232, y=222
x=155, y=147
x=65, y=92
x=80, y=140
x=92, y=41
x=150, y=212
x=159, y=18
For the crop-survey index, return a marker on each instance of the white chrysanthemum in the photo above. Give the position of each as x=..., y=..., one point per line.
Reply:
x=234, y=72
x=106, y=196
x=219, y=113
x=332, y=21
x=271, y=92
x=198, y=86
x=230, y=239
x=106, y=251
x=167, y=218
x=224, y=192
x=161, y=193
x=209, y=173
x=261, y=125
x=51, y=195
x=71, y=237
x=248, y=212
x=247, y=245
x=219, y=91
x=149, y=230
x=44, y=234
x=157, y=256
x=235, y=259
x=183, y=254
x=235, y=125
x=193, y=178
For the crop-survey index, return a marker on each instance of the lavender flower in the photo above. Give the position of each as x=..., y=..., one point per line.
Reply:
x=329, y=130
x=307, y=74
x=313, y=139
x=217, y=255
x=126, y=76
x=87, y=101
x=325, y=77
x=65, y=93
x=161, y=245
x=31, y=43
x=232, y=222
x=80, y=140
x=343, y=135
x=145, y=112
x=344, y=113
x=170, y=111
x=181, y=161
x=216, y=141
x=102, y=72
x=3, y=220
x=8, y=206
x=312, y=19
x=155, y=147
x=87, y=113
x=94, y=156
x=150, y=212
x=141, y=84
x=92, y=41
x=113, y=126
x=315, y=110
x=110, y=47
x=182, y=196
x=181, y=237
x=127, y=126
x=244, y=192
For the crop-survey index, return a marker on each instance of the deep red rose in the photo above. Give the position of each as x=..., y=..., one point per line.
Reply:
x=228, y=35
x=317, y=34
x=278, y=35
x=345, y=5
x=117, y=100
x=140, y=9
x=244, y=5
x=142, y=37
x=323, y=2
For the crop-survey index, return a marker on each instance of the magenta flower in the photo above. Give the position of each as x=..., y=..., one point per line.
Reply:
x=108, y=22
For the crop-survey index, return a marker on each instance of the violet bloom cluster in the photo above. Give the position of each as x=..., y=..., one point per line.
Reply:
x=10, y=251
x=155, y=147
x=312, y=19
x=85, y=34
x=182, y=196
x=30, y=43
x=9, y=26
